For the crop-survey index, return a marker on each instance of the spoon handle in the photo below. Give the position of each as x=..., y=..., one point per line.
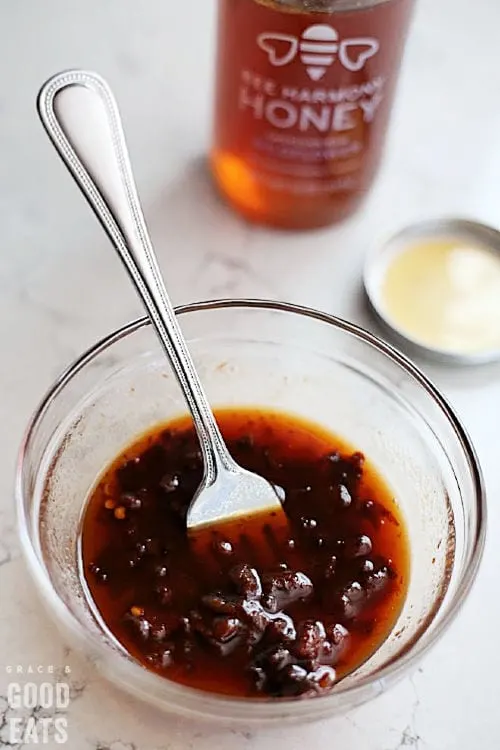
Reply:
x=81, y=117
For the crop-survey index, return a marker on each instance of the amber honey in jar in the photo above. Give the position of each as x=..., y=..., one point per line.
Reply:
x=304, y=90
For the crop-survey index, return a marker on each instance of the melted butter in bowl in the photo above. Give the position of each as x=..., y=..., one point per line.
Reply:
x=439, y=289
x=446, y=294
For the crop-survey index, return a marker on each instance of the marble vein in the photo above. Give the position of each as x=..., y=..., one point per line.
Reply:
x=410, y=736
x=9, y=544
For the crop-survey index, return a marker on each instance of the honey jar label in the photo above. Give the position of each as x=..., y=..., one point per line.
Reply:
x=307, y=95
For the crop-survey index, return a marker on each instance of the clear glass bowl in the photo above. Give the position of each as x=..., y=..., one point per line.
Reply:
x=257, y=353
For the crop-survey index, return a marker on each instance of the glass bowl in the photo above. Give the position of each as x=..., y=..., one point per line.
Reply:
x=257, y=353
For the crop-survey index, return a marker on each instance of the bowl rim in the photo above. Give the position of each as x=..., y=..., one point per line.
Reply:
x=255, y=708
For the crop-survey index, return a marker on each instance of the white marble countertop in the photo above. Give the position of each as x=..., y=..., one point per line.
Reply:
x=61, y=288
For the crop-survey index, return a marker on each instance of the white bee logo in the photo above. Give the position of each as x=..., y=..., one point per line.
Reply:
x=319, y=46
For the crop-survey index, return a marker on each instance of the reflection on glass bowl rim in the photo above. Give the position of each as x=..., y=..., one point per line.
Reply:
x=297, y=360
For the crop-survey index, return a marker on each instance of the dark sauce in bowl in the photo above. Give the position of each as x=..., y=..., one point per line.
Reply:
x=247, y=613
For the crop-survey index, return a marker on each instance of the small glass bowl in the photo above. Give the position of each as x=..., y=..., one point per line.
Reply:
x=256, y=353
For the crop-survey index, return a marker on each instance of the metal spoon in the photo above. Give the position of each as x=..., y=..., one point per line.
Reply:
x=80, y=115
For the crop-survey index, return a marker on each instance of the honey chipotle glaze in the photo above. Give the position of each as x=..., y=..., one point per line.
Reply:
x=252, y=614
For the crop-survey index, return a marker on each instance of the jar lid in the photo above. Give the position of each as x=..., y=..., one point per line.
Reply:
x=435, y=287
